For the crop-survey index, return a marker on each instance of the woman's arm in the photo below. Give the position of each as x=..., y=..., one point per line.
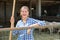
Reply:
x=35, y=24
x=39, y=26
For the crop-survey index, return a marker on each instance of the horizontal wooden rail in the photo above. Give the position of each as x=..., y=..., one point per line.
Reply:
x=22, y=28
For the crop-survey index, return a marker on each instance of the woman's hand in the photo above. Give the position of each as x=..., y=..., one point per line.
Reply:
x=12, y=20
x=28, y=31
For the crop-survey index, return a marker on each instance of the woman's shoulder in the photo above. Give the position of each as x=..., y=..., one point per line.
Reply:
x=31, y=18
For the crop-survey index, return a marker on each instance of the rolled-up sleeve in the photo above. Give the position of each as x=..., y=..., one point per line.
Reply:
x=41, y=23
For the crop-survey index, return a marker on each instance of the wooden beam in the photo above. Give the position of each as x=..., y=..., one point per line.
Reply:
x=22, y=28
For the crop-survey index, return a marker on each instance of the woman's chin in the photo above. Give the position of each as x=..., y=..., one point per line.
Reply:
x=24, y=17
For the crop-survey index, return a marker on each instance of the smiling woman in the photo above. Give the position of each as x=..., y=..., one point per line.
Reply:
x=26, y=21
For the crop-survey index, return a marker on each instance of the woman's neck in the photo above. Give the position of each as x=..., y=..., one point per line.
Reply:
x=24, y=20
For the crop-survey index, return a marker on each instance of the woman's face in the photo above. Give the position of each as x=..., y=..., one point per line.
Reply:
x=24, y=12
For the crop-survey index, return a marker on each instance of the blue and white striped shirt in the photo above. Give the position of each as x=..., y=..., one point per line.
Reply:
x=22, y=34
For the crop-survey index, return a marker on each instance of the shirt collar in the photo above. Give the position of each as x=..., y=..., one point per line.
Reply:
x=26, y=20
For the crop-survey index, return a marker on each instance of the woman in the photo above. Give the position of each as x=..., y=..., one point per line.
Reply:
x=26, y=22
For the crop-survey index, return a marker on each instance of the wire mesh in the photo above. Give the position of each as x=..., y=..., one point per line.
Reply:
x=4, y=35
x=38, y=35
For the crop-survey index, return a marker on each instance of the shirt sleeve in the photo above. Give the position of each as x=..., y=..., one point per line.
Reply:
x=16, y=31
x=41, y=23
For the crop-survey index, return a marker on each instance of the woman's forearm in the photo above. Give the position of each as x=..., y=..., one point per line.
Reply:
x=38, y=26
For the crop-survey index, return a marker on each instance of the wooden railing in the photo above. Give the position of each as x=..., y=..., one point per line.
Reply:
x=22, y=28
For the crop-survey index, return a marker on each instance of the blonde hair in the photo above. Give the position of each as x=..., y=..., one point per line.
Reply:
x=25, y=7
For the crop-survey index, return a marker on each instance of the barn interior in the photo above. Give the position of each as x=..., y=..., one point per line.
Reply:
x=49, y=10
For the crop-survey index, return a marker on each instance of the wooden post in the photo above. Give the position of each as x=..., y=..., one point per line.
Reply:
x=13, y=9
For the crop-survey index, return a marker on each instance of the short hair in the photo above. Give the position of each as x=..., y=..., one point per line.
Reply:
x=25, y=7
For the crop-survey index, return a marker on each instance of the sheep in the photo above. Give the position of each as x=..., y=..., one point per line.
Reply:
x=53, y=25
